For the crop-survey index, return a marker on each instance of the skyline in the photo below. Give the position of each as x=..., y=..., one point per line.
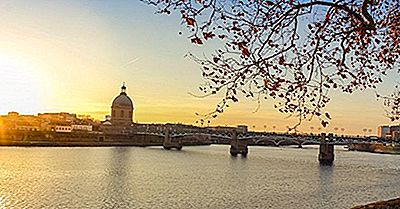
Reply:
x=73, y=56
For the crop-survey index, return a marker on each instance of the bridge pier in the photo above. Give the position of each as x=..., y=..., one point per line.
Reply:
x=238, y=146
x=169, y=144
x=326, y=151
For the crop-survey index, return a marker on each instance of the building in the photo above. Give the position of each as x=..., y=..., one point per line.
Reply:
x=122, y=109
x=13, y=121
x=395, y=133
x=62, y=117
x=81, y=127
x=63, y=129
x=383, y=131
x=391, y=133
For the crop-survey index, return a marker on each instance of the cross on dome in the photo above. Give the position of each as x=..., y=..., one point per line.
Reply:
x=123, y=88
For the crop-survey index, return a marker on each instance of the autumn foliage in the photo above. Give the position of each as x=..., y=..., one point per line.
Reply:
x=292, y=51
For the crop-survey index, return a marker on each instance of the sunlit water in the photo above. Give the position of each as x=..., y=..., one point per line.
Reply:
x=196, y=177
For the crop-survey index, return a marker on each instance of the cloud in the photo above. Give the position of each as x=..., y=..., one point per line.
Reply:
x=130, y=62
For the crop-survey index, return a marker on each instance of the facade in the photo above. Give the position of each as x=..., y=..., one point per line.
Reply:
x=383, y=131
x=122, y=109
x=63, y=129
x=55, y=122
x=395, y=133
x=13, y=121
x=389, y=132
x=80, y=127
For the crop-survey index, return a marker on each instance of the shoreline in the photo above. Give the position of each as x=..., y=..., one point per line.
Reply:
x=383, y=204
x=88, y=144
x=378, y=148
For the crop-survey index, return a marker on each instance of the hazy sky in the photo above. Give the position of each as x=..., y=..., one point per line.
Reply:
x=73, y=55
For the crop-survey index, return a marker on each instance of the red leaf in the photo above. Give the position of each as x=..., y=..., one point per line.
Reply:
x=190, y=21
x=281, y=60
x=196, y=40
x=269, y=3
x=266, y=82
x=275, y=86
x=245, y=50
x=208, y=35
x=221, y=36
x=328, y=16
x=255, y=30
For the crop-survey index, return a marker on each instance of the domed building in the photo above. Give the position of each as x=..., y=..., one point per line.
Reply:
x=122, y=109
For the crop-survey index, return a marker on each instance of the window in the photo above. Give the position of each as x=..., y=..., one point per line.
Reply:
x=122, y=113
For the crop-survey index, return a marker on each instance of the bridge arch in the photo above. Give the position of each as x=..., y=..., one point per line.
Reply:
x=288, y=141
x=309, y=142
x=266, y=141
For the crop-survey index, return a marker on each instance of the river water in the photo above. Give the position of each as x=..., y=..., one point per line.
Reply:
x=196, y=177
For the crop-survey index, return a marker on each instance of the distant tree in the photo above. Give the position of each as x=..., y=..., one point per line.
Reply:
x=365, y=131
x=293, y=51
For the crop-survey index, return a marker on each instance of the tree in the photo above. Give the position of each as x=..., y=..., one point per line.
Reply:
x=392, y=102
x=292, y=51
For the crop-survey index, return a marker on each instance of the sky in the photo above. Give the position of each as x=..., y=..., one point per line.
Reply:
x=73, y=55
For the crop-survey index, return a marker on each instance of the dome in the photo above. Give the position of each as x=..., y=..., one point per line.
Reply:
x=122, y=100
x=122, y=109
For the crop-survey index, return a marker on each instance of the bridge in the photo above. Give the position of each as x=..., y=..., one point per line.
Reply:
x=239, y=141
x=252, y=138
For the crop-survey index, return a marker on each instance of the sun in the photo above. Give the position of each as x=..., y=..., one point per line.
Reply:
x=19, y=87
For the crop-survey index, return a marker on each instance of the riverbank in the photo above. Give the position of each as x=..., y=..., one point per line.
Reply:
x=86, y=139
x=375, y=148
x=73, y=144
x=91, y=143
x=385, y=204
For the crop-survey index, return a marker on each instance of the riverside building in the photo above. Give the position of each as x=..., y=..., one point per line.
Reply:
x=122, y=115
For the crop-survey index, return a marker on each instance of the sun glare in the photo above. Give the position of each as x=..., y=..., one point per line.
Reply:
x=19, y=87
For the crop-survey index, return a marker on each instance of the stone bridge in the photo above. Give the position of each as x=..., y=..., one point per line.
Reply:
x=252, y=139
x=239, y=142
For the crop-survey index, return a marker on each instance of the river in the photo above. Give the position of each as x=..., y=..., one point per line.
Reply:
x=196, y=177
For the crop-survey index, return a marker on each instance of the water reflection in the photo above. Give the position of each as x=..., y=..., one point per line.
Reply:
x=115, y=194
x=325, y=184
